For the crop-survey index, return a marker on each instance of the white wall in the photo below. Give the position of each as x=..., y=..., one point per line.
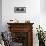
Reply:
x=32, y=10
x=43, y=14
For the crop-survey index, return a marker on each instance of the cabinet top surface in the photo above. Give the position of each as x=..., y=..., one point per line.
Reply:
x=19, y=23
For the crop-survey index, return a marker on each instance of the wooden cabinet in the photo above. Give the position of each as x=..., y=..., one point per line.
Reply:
x=22, y=33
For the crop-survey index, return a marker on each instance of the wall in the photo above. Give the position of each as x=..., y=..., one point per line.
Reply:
x=32, y=10
x=0, y=15
x=43, y=14
x=43, y=6
x=33, y=13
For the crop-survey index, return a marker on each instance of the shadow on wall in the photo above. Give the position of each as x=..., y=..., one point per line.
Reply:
x=0, y=15
x=43, y=6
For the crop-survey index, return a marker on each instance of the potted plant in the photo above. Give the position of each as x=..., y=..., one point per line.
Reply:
x=41, y=36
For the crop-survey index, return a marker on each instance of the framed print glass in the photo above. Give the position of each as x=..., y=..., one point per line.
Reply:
x=20, y=9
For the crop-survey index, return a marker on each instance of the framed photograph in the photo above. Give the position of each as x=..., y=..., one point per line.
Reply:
x=20, y=9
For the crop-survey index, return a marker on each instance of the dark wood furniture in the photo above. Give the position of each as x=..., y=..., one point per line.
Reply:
x=22, y=33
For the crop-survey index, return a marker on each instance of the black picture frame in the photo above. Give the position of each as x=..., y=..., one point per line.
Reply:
x=20, y=9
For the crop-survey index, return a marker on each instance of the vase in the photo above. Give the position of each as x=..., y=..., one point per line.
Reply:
x=41, y=43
